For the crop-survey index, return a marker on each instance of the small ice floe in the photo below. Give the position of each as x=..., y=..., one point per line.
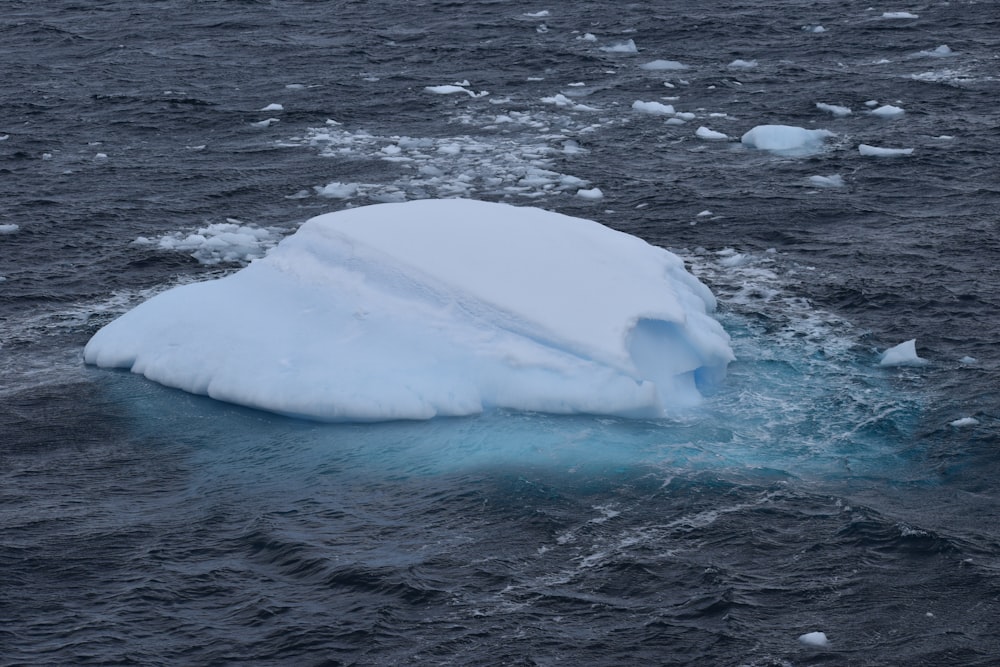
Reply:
x=710, y=135
x=967, y=360
x=785, y=139
x=621, y=47
x=888, y=111
x=899, y=15
x=814, y=639
x=452, y=88
x=704, y=214
x=831, y=181
x=834, y=109
x=592, y=193
x=654, y=108
x=904, y=354
x=871, y=103
x=561, y=100
x=587, y=37
x=267, y=122
x=537, y=15
x=4, y=137
x=273, y=107
x=813, y=28
x=663, y=65
x=875, y=151
x=9, y=229
x=742, y=64
x=100, y=157
x=230, y=241
x=337, y=190
x=964, y=421
x=940, y=52
x=295, y=86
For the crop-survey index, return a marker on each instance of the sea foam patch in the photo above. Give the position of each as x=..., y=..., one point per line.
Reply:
x=436, y=307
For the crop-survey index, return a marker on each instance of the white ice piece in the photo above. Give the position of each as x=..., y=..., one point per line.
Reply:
x=663, y=65
x=875, y=151
x=621, y=47
x=888, y=111
x=786, y=139
x=904, y=354
x=435, y=307
x=814, y=639
x=899, y=15
x=835, y=109
x=964, y=421
x=711, y=135
x=654, y=108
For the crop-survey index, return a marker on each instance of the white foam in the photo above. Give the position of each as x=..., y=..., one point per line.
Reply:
x=621, y=47
x=875, y=151
x=408, y=311
x=831, y=181
x=904, y=354
x=836, y=110
x=786, y=139
x=663, y=65
x=710, y=135
x=561, y=100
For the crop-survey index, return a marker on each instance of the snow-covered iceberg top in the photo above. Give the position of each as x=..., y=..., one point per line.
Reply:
x=435, y=307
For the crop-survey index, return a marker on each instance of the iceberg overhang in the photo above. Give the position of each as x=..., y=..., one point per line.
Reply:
x=435, y=308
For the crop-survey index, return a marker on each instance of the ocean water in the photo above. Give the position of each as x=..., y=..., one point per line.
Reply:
x=816, y=491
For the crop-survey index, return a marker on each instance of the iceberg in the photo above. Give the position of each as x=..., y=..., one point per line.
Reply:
x=435, y=308
x=785, y=139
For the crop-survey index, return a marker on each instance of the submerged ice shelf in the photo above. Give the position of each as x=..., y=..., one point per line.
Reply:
x=435, y=307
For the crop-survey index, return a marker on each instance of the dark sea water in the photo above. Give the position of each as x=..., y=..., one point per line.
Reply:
x=816, y=492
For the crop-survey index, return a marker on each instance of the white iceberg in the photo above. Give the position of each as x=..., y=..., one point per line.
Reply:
x=904, y=354
x=710, y=134
x=785, y=139
x=814, y=639
x=435, y=307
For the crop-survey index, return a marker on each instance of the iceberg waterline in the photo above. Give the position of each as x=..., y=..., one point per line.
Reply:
x=435, y=308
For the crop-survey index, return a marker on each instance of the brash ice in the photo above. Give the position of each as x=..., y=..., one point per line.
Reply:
x=435, y=307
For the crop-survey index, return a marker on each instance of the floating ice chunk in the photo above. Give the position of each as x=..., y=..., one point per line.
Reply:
x=875, y=151
x=831, y=181
x=408, y=311
x=450, y=89
x=968, y=360
x=964, y=421
x=662, y=65
x=904, y=354
x=592, y=193
x=267, y=122
x=871, y=103
x=100, y=157
x=9, y=229
x=588, y=37
x=942, y=51
x=621, y=47
x=654, y=108
x=786, y=139
x=537, y=15
x=273, y=107
x=337, y=190
x=742, y=64
x=899, y=15
x=814, y=28
x=704, y=214
x=4, y=137
x=836, y=110
x=230, y=241
x=711, y=135
x=888, y=111
x=814, y=639
x=561, y=100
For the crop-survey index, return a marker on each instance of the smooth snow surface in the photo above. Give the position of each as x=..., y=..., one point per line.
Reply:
x=786, y=139
x=435, y=307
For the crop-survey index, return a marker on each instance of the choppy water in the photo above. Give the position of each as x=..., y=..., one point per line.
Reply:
x=816, y=492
